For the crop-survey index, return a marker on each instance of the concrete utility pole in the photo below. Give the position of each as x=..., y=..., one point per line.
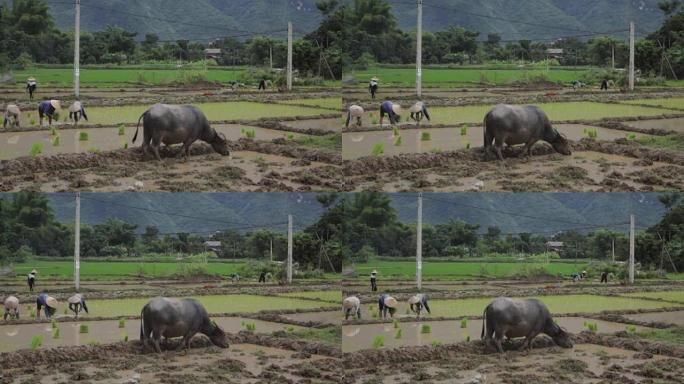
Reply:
x=289, y=56
x=419, y=49
x=77, y=50
x=270, y=55
x=612, y=56
x=419, y=243
x=631, y=249
x=631, y=56
x=613, y=249
x=289, y=249
x=77, y=242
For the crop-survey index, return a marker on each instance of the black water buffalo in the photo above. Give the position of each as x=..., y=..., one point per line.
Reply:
x=176, y=124
x=506, y=317
x=520, y=125
x=166, y=317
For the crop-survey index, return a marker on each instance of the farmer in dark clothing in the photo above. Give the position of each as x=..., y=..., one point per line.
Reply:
x=76, y=303
x=47, y=108
x=374, y=280
x=373, y=87
x=386, y=303
x=262, y=84
x=604, y=277
x=31, y=86
x=419, y=301
x=604, y=84
x=391, y=110
x=50, y=304
x=31, y=280
x=262, y=277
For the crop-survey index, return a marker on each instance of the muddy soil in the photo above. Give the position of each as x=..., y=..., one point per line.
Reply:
x=675, y=125
x=251, y=358
x=674, y=317
x=253, y=166
x=593, y=166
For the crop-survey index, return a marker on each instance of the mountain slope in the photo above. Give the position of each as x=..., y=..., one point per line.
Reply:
x=193, y=19
x=553, y=18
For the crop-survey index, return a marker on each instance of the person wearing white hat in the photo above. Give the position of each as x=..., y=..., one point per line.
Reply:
x=354, y=111
x=391, y=110
x=77, y=110
x=12, y=115
x=31, y=85
x=387, y=303
x=11, y=308
x=351, y=306
x=31, y=280
x=76, y=303
x=417, y=302
x=373, y=87
x=49, y=302
x=47, y=108
x=418, y=110
x=374, y=281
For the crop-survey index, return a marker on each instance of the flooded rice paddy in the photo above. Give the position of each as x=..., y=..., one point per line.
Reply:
x=673, y=317
x=332, y=296
x=358, y=337
x=14, y=337
x=676, y=124
x=674, y=296
x=672, y=102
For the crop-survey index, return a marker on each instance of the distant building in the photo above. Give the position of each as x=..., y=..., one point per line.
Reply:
x=211, y=245
x=555, y=246
x=212, y=53
x=554, y=53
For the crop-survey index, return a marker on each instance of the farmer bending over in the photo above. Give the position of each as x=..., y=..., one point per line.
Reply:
x=50, y=304
x=47, y=108
x=11, y=308
x=391, y=110
x=352, y=307
x=419, y=301
x=76, y=303
x=387, y=303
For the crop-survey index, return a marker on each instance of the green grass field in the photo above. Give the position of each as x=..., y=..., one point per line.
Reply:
x=461, y=270
x=330, y=296
x=102, y=77
x=674, y=102
x=327, y=102
x=664, y=295
x=105, y=270
x=451, y=76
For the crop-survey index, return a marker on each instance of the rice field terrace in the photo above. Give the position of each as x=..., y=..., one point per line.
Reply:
x=638, y=328
x=277, y=142
x=619, y=141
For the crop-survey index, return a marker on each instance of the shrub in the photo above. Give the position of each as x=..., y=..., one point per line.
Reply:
x=36, y=341
x=425, y=328
x=83, y=136
x=378, y=341
x=425, y=136
x=36, y=149
x=378, y=149
x=83, y=328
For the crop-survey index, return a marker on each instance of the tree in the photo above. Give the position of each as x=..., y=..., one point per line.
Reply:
x=668, y=6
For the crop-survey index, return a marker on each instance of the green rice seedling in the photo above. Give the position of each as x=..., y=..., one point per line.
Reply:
x=33, y=121
x=56, y=333
x=36, y=341
x=464, y=323
x=425, y=328
x=395, y=131
x=125, y=338
x=93, y=343
x=374, y=121
x=395, y=323
x=53, y=323
x=55, y=141
x=378, y=149
x=125, y=145
x=408, y=312
x=122, y=130
x=425, y=136
x=65, y=311
x=83, y=136
x=592, y=133
x=290, y=136
x=631, y=136
x=290, y=329
x=122, y=323
x=398, y=141
x=374, y=315
x=436, y=150
x=397, y=335
x=378, y=341
x=593, y=327
x=250, y=326
x=466, y=144
x=242, y=323
x=631, y=329
x=53, y=131
x=468, y=338
x=83, y=328
x=36, y=149
x=249, y=133
x=464, y=130
x=93, y=150
x=436, y=343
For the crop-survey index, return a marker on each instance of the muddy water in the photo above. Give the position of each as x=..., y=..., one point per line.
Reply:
x=359, y=144
x=13, y=337
x=332, y=125
x=676, y=125
x=356, y=337
x=15, y=144
x=675, y=317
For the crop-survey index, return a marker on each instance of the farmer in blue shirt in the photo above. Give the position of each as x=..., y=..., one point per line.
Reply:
x=387, y=303
x=49, y=302
x=47, y=108
x=390, y=109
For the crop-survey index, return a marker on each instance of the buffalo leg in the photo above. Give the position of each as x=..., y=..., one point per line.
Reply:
x=155, y=148
x=156, y=337
x=497, y=342
x=498, y=148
